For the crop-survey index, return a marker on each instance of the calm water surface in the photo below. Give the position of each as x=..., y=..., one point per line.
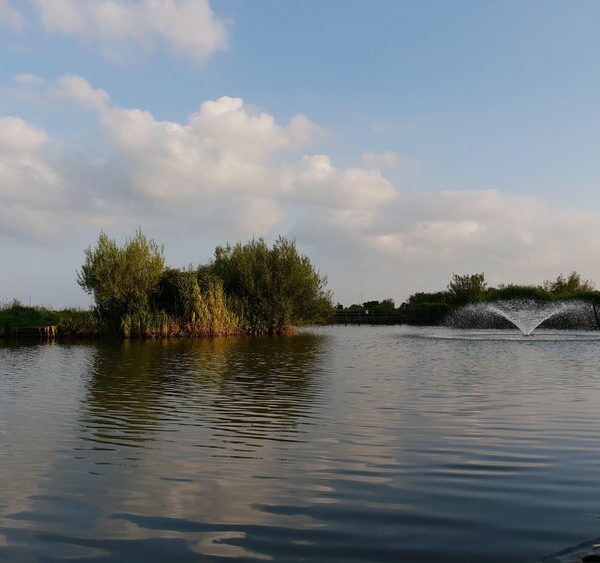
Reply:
x=340, y=444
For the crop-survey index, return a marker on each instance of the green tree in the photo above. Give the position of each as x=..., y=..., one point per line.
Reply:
x=465, y=287
x=568, y=284
x=122, y=279
x=271, y=288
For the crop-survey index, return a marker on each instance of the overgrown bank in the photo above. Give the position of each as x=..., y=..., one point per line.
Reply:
x=16, y=318
x=251, y=288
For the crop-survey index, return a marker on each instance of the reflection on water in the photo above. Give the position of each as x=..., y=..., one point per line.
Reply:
x=240, y=389
x=344, y=443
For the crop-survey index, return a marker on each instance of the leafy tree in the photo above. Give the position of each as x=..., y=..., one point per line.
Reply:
x=466, y=287
x=385, y=305
x=122, y=279
x=271, y=288
x=568, y=284
x=178, y=293
x=514, y=291
x=423, y=297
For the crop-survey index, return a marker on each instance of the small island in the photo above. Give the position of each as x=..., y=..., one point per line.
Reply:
x=252, y=288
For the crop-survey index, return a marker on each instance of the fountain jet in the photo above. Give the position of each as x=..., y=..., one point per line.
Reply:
x=525, y=314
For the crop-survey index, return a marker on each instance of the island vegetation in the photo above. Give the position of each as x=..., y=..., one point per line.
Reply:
x=247, y=288
x=251, y=288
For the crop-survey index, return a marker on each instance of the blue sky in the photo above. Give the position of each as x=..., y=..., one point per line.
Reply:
x=487, y=112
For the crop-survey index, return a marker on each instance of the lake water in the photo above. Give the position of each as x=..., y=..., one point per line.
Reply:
x=339, y=444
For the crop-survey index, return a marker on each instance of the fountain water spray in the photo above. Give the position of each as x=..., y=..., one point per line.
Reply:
x=525, y=314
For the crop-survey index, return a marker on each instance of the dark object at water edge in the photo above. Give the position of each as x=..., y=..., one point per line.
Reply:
x=583, y=553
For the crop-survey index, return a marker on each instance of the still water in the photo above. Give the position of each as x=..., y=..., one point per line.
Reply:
x=339, y=444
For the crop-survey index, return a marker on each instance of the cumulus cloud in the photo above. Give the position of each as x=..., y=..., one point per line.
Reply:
x=229, y=163
x=28, y=180
x=466, y=230
x=80, y=90
x=231, y=171
x=186, y=26
x=316, y=181
x=225, y=148
x=16, y=136
x=10, y=17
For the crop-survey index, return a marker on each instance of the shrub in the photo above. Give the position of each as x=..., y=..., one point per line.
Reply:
x=121, y=278
x=271, y=288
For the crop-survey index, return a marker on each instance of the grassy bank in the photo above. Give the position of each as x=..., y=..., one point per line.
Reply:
x=15, y=317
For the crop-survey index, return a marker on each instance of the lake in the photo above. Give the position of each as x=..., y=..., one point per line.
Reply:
x=338, y=444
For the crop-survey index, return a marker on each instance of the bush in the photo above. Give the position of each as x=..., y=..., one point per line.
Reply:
x=15, y=315
x=271, y=288
x=121, y=278
x=518, y=292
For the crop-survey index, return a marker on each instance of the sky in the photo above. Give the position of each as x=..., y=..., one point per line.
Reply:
x=397, y=142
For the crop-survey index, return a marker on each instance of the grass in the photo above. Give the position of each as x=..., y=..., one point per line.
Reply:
x=70, y=321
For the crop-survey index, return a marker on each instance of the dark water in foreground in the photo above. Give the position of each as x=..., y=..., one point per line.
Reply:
x=344, y=444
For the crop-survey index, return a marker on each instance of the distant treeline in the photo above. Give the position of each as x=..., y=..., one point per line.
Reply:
x=432, y=308
x=251, y=288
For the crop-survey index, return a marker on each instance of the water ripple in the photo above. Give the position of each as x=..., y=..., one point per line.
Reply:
x=341, y=444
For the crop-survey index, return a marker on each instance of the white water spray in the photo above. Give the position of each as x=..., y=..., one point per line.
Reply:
x=525, y=314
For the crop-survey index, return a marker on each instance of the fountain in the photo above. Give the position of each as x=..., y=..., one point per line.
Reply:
x=524, y=314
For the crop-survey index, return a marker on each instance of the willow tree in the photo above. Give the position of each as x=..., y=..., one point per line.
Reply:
x=271, y=288
x=122, y=279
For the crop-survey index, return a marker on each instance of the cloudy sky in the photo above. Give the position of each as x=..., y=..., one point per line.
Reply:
x=397, y=142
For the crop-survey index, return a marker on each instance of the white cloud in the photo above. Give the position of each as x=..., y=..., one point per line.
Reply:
x=10, y=17
x=229, y=163
x=230, y=171
x=186, y=26
x=28, y=79
x=387, y=159
x=17, y=136
x=76, y=88
x=316, y=181
x=28, y=181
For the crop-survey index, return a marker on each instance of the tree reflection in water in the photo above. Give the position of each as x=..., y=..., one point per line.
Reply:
x=249, y=388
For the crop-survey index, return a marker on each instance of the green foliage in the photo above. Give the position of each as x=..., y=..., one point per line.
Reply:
x=513, y=291
x=386, y=305
x=121, y=278
x=77, y=322
x=424, y=297
x=251, y=288
x=178, y=294
x=213, y=316
x=17, y=315
x=429, y=313
x=271, y=288
x=463, y=288
x=568, y=284
x=71, y=321
x=197, y=300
